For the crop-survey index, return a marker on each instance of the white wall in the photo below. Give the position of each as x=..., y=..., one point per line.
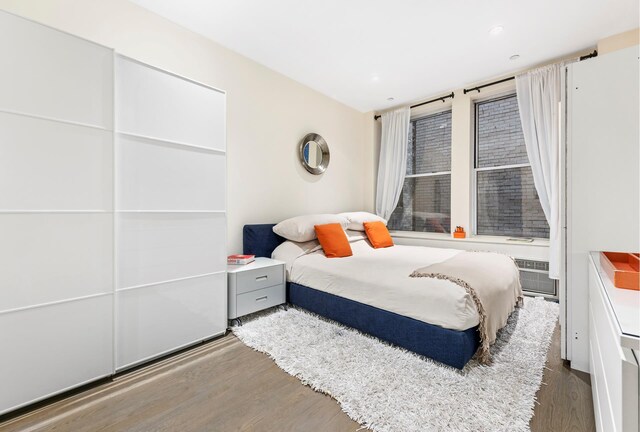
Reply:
x=267, y=113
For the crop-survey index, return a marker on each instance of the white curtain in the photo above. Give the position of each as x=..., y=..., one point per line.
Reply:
x=392, y=165
x=539, y=103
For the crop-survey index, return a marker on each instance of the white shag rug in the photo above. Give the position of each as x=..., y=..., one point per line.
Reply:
x=385, y=388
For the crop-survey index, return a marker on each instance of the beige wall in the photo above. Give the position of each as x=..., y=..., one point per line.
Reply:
x=267, y=113
x=370, y=159
x=619, y=41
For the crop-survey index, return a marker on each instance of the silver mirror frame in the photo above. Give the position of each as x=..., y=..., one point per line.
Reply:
x=326, y=157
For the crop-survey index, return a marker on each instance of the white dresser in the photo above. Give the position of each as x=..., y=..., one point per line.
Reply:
x=614, y=344
x=255, y=286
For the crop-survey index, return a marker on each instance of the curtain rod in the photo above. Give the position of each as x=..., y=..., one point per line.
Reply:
x=441, y=98
x=467, y=90
x=590, y=55
x=477, y=88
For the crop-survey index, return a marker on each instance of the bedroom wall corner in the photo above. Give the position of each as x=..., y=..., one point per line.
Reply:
x=267, y=113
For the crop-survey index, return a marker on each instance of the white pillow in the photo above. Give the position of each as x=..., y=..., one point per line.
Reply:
x=355, y=235
x=357, y=219
x=301, y=228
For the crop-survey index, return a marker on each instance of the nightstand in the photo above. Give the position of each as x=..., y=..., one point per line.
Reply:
x=255, y=286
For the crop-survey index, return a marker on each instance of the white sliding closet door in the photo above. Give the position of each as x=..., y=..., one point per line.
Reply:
x=56, y=211
x=170, y=212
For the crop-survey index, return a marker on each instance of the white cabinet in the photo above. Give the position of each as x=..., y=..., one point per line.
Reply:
x=256, y=286
x=602, y=178
x=49, y=349
x=54, y=166
x=112, y=242
x=158, y=247
x=154, y=175
x=170, y=212
x=158, y=319
x=48, y=258
x=56, y=221
x=52, y=74
x=614, y=332
x=159, y=105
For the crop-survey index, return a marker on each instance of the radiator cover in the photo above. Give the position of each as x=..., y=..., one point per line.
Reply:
x=534, y=277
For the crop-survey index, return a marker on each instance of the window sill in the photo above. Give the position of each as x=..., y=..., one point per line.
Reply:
x=471, y=239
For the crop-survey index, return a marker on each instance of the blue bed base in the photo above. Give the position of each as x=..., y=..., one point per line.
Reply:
x=451, y=347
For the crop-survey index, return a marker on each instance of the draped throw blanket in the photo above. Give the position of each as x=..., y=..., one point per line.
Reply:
x=493, y=282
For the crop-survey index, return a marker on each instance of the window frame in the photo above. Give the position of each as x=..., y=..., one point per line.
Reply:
x=439, y=110
x=474, y=167
x=448, y=106
x=420, y=116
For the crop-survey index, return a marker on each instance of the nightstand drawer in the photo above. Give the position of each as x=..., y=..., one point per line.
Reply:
x=251, y=280
x=260, y=299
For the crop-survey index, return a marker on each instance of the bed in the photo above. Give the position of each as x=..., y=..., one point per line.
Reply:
x=451, y=335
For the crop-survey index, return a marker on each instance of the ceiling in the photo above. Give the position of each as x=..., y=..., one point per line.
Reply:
x=362, y=52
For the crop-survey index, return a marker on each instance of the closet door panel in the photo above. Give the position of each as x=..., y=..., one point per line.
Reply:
x=53, y=74
x=47, y=165
x=160, y=247
x=158, y=104
x=47, y=350
x=52, y=257
x=170, y=212
x=161, y=318
x=157, y=176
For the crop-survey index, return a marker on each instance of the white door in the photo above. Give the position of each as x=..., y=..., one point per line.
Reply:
x=603, y=177
x=56, y=204
x=170, y=212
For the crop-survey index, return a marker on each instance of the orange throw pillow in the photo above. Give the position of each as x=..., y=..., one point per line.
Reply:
x=333, y=240
x=378, y=234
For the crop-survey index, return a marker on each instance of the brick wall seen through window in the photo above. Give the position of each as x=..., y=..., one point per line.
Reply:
x=425, y=202
x=507, y=203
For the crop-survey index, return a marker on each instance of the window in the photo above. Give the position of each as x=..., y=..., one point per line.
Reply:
x=425, y=202
x=507, y=203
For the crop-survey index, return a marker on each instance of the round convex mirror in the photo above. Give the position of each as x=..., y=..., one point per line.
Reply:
x=314, y=153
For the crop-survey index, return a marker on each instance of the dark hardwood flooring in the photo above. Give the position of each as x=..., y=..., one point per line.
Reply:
x=226, y=386
x=564, y=403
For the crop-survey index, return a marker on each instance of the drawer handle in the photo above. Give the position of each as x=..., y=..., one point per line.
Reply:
x=261, y=278
x=263, y=298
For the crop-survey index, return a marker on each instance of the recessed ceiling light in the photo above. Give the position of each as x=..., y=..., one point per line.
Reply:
x=496, y=30
x=514, y=57
x=375, y=78
x=390, y=99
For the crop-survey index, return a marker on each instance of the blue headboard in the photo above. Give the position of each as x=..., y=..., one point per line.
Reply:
x=260, y=240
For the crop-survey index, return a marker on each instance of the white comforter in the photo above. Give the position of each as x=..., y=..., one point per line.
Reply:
x=380, y=278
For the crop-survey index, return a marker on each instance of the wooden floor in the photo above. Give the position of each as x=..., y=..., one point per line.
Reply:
x=226, y=386
x=564, y=399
